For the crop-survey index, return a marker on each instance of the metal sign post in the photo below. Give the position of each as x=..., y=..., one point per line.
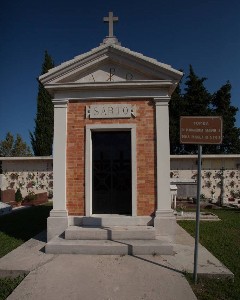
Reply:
x=197, y=213
x=200, y=131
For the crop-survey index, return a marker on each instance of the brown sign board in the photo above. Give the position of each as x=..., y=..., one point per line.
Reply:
x=201, y=130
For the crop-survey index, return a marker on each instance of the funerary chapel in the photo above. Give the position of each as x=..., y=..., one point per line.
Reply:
x=111, y=158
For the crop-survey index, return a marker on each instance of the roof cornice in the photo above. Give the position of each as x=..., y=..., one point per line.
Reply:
x=112, y=90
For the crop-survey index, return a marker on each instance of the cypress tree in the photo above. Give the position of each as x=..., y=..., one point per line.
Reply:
x=42, y=137
x=222, y=107
x=196, y=98
x=196, y=102
x=175, y=111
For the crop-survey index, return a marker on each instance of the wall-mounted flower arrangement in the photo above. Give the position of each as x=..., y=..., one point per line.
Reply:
x=232, y=183
x=14, y=176
x=42, y=175
x=50, y=184
x=30, y=176
x=208, y=184
x=208, y=174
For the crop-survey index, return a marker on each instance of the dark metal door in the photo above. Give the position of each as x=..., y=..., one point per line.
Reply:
x=112, y=175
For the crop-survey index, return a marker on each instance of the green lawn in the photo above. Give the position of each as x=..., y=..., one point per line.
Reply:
x=223, y=240
x=18, y=227
x=7, y=285
x=15, y=229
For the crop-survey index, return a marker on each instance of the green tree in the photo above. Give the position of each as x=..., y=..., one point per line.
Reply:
x=197, y=99
x=221, y=103
x=196, y=102
x=6, y=145
x=175, y=111
x=14, y=147
x=18, y=196
x=20, y=148
x=42, y=137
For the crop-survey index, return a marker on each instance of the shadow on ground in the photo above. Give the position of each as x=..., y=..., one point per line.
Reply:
x=26, y=223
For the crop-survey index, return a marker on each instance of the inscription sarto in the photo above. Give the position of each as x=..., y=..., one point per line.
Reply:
x=110, y=111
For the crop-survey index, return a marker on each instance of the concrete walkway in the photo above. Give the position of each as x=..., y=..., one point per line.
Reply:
x=107, y=277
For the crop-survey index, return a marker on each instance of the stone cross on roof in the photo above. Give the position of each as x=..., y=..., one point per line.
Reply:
x=110, y=20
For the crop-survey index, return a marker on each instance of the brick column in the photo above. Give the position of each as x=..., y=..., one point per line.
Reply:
x=58, y=220
x=164, y=218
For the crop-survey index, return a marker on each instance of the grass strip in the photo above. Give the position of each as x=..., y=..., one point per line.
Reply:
x=222, y=239
x=18, y=227
x=15, y=229
x=7, y=285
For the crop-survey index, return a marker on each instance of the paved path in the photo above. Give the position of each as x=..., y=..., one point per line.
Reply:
x=104, y=278
x=107, y=277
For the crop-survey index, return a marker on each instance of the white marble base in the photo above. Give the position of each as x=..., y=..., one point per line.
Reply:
x=56, y=226
x=165, y=223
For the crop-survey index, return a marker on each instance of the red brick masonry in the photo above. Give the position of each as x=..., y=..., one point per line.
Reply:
x=146, y=156
x=8, y=195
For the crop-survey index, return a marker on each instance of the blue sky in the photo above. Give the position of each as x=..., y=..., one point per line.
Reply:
x=203, y=33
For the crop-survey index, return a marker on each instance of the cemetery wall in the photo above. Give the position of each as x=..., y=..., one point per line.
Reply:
x=35, y=174
x=220, y=175
x=29, y=174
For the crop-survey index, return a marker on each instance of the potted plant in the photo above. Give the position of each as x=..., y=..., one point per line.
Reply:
x=181, y=208
x=31, y=196
x=212, y=196
x=50, y=194
x=18, y=197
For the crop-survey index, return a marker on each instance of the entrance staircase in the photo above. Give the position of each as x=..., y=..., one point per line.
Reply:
x=90, y=238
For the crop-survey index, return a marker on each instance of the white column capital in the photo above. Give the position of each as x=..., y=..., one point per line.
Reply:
x=162, y=101
x=60, y=103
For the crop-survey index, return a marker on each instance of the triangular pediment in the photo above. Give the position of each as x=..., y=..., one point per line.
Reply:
x=107, y=71
x=109, y=63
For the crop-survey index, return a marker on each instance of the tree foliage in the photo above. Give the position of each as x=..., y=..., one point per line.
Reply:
x=14, y=147
x=197, y=101
x=18, y=196
x=42, y=137
x=175, y=110
x=221, y=103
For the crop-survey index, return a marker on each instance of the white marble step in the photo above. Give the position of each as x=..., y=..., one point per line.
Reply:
x=112, y=220
x=110, y=233
x=59, y=245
